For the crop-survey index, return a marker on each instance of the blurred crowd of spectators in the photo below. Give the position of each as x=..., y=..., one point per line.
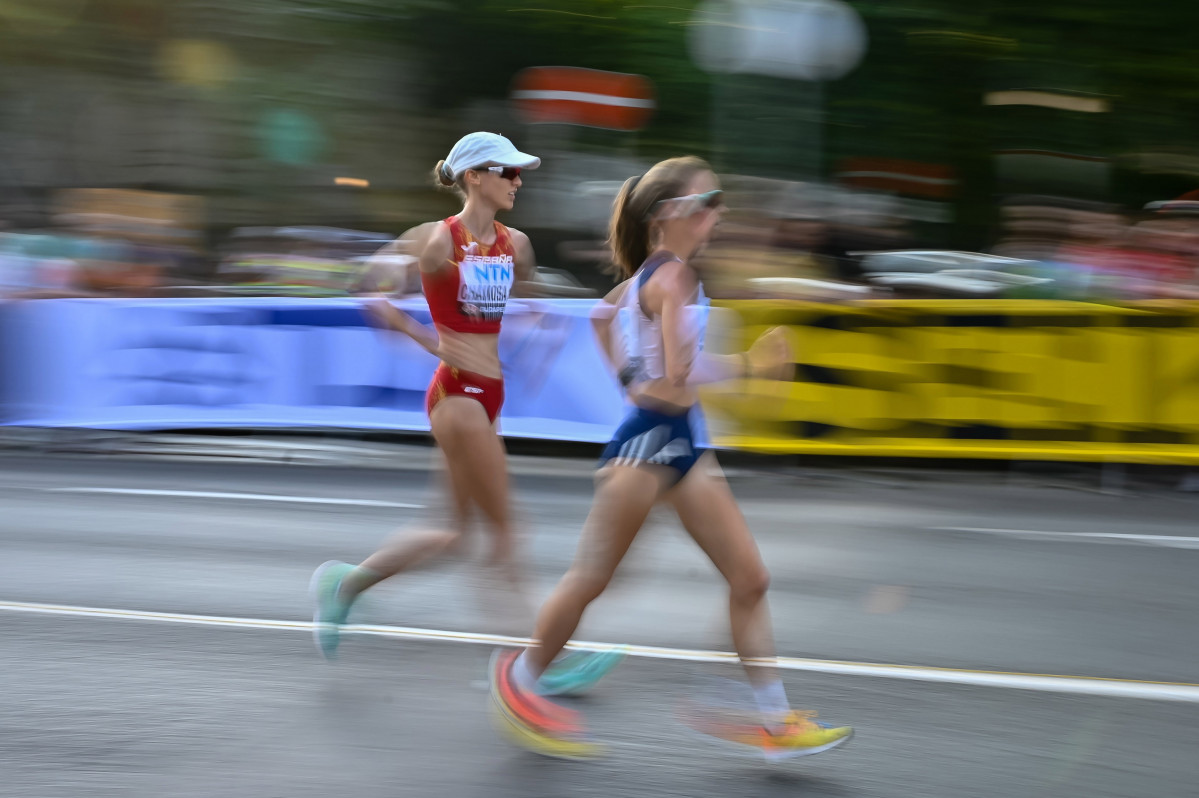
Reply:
x=1090, y=250
x=104, y=243
x=1044, y=247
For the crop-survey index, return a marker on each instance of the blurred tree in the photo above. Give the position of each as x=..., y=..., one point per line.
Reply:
x=364, y=68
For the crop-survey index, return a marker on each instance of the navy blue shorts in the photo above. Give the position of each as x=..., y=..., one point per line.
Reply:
x=647, y=436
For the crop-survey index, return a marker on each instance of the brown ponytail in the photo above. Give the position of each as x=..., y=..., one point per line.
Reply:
x=629, y=230
x=443, y=179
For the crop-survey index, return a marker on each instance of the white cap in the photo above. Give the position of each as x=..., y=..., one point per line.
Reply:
x=486, y=149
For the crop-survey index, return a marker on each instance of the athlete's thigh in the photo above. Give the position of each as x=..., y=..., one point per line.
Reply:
x=624, y=496
x=709, y=512
x=474, y=455
x=453, y=509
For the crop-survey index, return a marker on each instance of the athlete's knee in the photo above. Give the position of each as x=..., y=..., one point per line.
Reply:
x=749, y=585
x=587, y=584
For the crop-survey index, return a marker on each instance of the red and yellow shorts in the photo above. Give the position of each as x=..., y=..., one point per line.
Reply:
x=449, y=381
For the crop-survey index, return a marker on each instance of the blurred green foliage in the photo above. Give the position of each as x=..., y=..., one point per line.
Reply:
x=918, y=95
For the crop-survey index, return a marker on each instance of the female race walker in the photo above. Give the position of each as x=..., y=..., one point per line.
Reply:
x=469, y=265
x=651, y=327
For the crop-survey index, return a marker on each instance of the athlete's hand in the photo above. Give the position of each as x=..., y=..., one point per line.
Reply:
x=389, y=317
x=771, y=357
x=384, y=314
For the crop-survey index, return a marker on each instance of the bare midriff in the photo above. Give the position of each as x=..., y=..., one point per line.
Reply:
x=477, y=353
x=663, y=396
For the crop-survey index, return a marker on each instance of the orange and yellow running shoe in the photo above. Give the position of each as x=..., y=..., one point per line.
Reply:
x=797, y=734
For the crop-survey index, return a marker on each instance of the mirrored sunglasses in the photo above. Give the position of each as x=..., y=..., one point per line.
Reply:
x=506, y=172
x=678, y=207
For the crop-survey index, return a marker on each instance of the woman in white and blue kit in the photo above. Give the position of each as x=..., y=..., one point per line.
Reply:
x=651, y=328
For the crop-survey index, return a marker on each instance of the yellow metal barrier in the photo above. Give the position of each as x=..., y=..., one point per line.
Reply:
x=1014, y=379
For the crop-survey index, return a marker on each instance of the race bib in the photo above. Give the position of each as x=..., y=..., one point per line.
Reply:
x=485, y=282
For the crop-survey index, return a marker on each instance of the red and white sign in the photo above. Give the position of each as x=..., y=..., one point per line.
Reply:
x=932, y=180
x=588, y=97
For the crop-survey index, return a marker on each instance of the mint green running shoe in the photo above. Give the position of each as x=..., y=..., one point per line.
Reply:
x=579, y=671
x=331, y=611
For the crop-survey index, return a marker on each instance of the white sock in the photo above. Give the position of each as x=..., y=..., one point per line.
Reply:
x=772, y=701
x=522, y=673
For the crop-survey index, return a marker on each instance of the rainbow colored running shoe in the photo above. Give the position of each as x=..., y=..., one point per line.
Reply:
x=533, y=721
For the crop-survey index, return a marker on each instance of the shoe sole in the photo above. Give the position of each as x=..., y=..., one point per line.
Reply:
x=525, y=738
x=773, y=756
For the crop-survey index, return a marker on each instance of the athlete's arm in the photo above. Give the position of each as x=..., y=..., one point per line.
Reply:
x=435, y=245
x=601, y=321
x=389, y=317
x=525, y=263
x=673, y=286
x=769, y=357
x=438, y=247
x=669, y=291
x=411, y=242
x=404, y=250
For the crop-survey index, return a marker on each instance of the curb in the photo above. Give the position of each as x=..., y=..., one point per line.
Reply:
x=417, y=455
x=340, y=449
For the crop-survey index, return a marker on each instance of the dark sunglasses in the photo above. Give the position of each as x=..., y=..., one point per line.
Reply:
x=506, y=172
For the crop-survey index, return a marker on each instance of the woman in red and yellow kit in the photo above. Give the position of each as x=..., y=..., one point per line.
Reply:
x=469, y=266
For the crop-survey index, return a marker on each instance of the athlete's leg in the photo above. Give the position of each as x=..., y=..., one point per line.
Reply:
x=477, y=475
x=478, y=464
x=624, y=497
x=336, y=585
x=456, y=511
x=709, y=513
x=451, y=419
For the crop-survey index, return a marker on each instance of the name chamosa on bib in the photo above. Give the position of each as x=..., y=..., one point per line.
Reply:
x=485, y=285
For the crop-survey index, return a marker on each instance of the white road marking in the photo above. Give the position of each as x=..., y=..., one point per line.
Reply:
x=1046, y=683
x=1168, y=541
x=255, y=497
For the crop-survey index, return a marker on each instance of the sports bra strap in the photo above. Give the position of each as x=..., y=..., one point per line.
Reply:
x=652, y=264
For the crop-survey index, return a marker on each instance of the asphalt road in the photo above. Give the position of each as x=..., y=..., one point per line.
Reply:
x=949, y=577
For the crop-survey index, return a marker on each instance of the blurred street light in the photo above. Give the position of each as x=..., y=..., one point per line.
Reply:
x=816, y=40
x=803, y=40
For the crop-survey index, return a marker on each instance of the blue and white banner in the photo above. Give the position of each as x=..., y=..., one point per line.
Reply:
x=198, y=363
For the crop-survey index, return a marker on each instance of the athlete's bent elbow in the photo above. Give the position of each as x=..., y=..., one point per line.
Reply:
x=677, y=373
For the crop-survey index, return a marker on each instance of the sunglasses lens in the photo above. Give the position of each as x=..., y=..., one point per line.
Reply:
x=690, y=204
x=510, y=172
